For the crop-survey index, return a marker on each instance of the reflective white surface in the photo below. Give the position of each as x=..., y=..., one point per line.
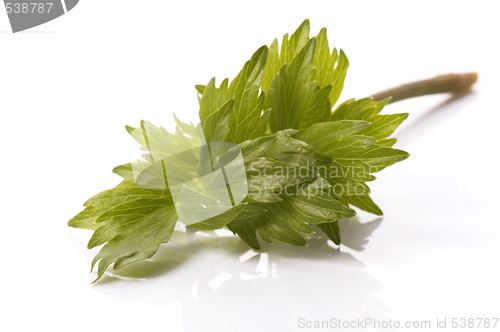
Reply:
x=212, y=275
x=434, y=255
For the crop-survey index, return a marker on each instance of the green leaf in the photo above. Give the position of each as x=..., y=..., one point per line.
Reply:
x=248, y=120
x=339, y=77
x=209, y=103
x=290, y=94
x=200, y=88
x=124, y=192
x=250, y=211
x=268, y=177
x=324, y=60
x=221, y=220
x=245, y=229
x=241, y=224
x=351, y=110
x=382, y=126
x=283, y=147
x=133, y=231
x=348, y=186
x=355, y=138
x=374, y=156
x=316, y=107
x=348, y=148
x=328, y=132
x=338, y=170
x=388, y=142
x=290, y=47
x=304, y=164
x=285, y=220
x=364, y=202
x=248, y=105
x=314, y=205
x=188, y=129
x=331, y=230
x=125, y=171
x=106, y=200
x=336, y=140
x=216, y=125
x=273, y=65
x=160, y=143
x=87, y=218
x=267, y=229
x=278, y=229
x=331, y=67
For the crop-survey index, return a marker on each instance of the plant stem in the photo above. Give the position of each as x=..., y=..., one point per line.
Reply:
x=453, y=83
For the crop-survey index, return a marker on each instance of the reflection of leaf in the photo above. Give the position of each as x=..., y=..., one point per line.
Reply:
x=356, y=234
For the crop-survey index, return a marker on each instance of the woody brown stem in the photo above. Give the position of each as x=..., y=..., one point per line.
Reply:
x=451, y=83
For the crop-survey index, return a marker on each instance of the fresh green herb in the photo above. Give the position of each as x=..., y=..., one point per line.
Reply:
x=278, y=110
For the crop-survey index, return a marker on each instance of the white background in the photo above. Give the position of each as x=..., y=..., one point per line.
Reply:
x=68, y=88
